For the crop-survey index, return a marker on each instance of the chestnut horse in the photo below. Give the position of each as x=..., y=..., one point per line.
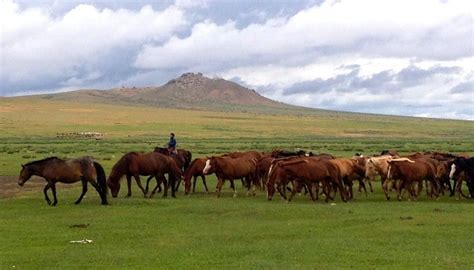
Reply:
x=305, y=171
x=408, y=172
x=195, y=170
x=226, y=167
x=54, y=169
x=136, y=164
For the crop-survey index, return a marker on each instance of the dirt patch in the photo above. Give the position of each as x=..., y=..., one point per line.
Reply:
x=9, y=186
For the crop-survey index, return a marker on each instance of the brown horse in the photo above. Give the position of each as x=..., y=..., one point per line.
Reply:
x=261, y=172
x=185, y=156
x=231, y=168
x=305, y=171
x=409, y=172
x=194, y=171
x=54, y=169
x=136, y=164
x=182, y=159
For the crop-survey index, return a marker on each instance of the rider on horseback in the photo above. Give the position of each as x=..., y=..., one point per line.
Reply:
x=172, y=144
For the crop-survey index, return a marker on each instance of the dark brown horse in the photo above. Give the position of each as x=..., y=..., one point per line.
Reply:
x=54, y=169
x=194, y=171
x=136, y=164
x=182, y=159
x=185, y=156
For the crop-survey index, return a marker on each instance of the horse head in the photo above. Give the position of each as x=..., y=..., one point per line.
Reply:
x=25, y=174
x=114, y=184
x=210, y=164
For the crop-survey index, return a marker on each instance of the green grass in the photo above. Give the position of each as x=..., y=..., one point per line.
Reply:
x=201, y=231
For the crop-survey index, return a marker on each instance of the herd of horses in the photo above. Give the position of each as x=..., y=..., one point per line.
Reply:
x=279, y=170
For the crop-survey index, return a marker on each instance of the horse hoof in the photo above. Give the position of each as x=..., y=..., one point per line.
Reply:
x=77, y=203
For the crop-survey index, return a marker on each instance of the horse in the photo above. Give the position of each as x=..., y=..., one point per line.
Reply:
x=136, y=164
x=361, y=160
x=349, y=171
x=466, y=165
x=377, y=166
x=54, y=169
x=194, y=170
x=305, y=171
x=182, y=159
x=226, y=167
x=185, y=155
x=409, y=172
x=261, y=172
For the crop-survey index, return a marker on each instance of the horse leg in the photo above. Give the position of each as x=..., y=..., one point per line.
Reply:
x=129, y=185
x=293, y=191
x=398, y=186
x=45, y=191
x=452, y=188
x=248, y=183
x=84, y=190
x=386, y=187
x=159, y=179
x=311, y=193
x=139, y=183
x=316, y=191
x=349, y=187
x=370, y=184
x=362, y=184
x=204, y=182
x=55, y=199
x=194, y=183
x=177, y=185
x=172, y=184
x=148, y=183
x=220, y=182
x=103, y=196
x=282, y=191
x=232, y=185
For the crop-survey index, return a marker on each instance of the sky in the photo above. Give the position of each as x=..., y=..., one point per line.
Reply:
x=401, y=57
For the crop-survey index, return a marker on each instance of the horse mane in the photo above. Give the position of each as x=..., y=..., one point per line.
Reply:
x=121, y=165
x=41, y=161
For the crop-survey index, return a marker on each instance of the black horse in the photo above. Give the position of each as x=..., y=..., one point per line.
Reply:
x=466, y=165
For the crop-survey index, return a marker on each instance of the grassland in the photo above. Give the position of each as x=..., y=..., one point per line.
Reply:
x=201, y=231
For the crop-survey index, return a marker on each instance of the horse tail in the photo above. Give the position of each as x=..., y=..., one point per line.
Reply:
x=101, y=180
x=187, y=159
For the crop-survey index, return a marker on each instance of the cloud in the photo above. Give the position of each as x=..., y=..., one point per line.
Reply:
x=369, y=28
x=83, y=45
x=383, y=81
x=464, y=88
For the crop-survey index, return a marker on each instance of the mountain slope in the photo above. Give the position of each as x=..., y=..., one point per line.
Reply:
x=190, y=91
